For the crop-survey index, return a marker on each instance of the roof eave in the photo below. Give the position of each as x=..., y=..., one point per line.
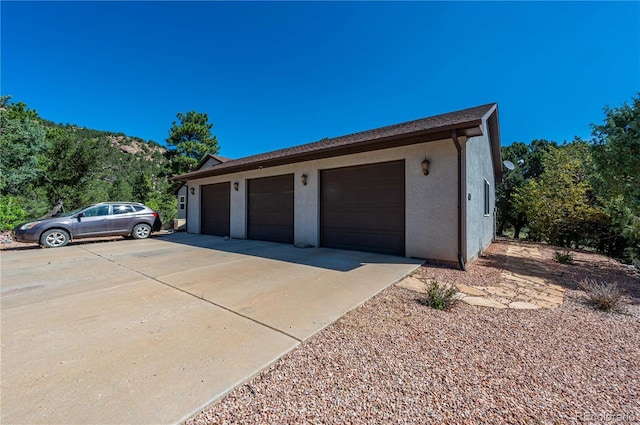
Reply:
x=470, y=129
x=493, y=128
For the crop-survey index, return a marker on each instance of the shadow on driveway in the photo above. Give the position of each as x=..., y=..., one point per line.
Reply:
x=155, y=330
x=326, y=258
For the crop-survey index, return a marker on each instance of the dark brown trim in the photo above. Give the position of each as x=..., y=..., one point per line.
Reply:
x=494, y=142
x=454, y=137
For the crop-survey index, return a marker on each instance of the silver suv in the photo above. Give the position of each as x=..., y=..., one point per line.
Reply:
x=104, y=219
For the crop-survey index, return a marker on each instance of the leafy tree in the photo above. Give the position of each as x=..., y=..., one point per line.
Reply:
x=121, y=190
x=42, y=162
x=142, y=189
x=192, y=139
x=528, y=165
x=22, y=142
x=538, y=148
x=11, y=213
x=559, y=204
x=505, y=190
x=616, y=153
x=22, y=149
x=17, y=110
x=75, y=169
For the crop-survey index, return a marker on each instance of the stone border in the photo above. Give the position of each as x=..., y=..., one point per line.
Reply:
x=521, y=286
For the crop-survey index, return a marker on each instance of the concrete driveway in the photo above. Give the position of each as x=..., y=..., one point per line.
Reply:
x=152, y=331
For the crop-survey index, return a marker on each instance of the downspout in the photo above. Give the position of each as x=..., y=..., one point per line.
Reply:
x=454, y=136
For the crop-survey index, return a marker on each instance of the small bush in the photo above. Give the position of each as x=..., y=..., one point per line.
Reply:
x=439, y=296
x=11, y=212
x=564, y=257
x=636, y=263
x=605, y=296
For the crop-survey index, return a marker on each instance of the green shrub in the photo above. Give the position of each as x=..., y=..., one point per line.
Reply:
x=439, y=296
x=564, y=257
x=631, y=255
x=11, y=213
x=605, y=296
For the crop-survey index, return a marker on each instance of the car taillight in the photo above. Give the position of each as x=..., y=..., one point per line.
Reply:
x=155, y=214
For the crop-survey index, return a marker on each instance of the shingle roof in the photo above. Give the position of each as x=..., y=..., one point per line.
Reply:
x=207, y=157
x=220, y=158
x=466, y=122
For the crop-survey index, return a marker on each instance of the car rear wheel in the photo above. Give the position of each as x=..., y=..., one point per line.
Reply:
x=54, y=238
x=141, y=231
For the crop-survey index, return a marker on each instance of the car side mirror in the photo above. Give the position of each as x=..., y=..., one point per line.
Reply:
x=79, y=215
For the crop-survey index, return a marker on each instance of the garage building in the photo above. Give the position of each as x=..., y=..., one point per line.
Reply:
x=424, y=189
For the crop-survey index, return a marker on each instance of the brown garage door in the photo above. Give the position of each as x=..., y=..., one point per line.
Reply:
x=363, y=208
x=214, y=210
x=270, y=209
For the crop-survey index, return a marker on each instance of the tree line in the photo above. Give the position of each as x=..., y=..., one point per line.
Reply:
x=584, y=193
x=580, y=193
x=43, y=164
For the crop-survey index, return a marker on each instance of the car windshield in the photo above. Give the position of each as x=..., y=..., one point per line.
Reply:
x=70, y=213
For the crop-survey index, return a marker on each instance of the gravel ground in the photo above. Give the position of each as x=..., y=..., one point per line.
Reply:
x=394, y=360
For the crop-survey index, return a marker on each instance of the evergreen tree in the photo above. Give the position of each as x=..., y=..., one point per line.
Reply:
x=192, y=139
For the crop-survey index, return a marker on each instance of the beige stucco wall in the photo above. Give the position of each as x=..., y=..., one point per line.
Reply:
x=431, y=209
x=182, y=214
x=479, y=231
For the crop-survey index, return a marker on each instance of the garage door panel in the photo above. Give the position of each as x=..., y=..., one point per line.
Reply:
x=273, y=219
x=361, y=220
x=215, y=209
x=391, y=197
x=363, y=208
x=385, y=243
x=272, y=202
x=270, y=208
x=272, y=233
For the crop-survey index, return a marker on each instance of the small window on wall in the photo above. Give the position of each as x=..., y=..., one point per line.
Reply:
x=486, y=198
x=181, y=202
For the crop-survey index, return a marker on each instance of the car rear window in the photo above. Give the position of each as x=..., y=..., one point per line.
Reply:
x=122, y=209
x=137, y=208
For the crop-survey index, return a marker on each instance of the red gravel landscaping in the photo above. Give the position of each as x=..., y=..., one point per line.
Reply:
x=393, y=360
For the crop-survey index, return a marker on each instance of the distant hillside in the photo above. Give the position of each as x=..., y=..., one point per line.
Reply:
x=126, y=144
x=43, y=162
x=135, y=146
x=124, y=155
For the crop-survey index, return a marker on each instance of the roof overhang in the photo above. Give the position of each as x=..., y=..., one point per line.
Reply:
x=493, y=127
x=325, y=149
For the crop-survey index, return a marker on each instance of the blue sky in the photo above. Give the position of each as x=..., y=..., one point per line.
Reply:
x=273, y=75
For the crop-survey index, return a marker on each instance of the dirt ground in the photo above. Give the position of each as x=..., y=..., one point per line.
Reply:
x=489, y=268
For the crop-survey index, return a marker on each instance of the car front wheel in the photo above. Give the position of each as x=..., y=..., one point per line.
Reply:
x=141, y=231
x=54, y=238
